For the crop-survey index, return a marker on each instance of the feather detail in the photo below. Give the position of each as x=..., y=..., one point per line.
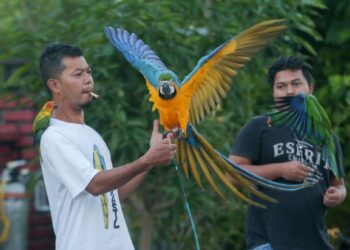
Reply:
x=305, y=116
x=193, y=165
x=139, y=54
x=239, y=171
x=200, y=155
x=42, y=121
x=214, y=72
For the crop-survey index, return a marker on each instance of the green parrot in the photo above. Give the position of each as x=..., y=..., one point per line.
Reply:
x=42, y=121
x=308, y=119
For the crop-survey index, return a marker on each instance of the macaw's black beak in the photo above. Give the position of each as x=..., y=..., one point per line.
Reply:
x=166, y=90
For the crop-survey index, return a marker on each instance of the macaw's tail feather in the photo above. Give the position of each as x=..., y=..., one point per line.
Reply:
x=263, y=182
x=253, y=178
x=42, y=121
x=195, y=154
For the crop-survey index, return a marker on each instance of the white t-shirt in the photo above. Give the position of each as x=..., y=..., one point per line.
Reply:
x=69, y=154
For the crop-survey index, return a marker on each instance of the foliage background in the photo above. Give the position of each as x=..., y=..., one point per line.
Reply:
x=180, y=32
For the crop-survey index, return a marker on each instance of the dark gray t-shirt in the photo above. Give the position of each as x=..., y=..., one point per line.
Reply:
x=297, y=221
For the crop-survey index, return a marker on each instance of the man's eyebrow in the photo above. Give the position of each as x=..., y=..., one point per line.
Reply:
x=280, y=83
x=296, y=79
x=293, y=80
x=83, y=69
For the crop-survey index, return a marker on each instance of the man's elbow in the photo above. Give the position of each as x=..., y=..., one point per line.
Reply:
x=93, y=188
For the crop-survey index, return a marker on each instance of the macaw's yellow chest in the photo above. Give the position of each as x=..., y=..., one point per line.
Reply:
x=173, y=113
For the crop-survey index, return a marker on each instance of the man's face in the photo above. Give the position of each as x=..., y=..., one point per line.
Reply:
x=290, y=83
x=75, y=82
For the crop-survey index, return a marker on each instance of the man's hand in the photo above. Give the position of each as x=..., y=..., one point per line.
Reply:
x=156, y=135
x=161, y=151
x=294, y=171
x=335, y=194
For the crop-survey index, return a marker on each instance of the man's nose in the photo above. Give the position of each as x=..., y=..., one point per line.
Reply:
x=88, y=79
x=290, y=90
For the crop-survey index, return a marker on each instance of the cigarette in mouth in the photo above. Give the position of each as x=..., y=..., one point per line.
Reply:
x=93, y=94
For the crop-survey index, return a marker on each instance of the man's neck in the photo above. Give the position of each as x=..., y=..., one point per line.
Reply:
x=69, y=115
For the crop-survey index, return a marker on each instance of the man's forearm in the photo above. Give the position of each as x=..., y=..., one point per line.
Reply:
x=131, y=185
x=270, y=171
x=112, y=179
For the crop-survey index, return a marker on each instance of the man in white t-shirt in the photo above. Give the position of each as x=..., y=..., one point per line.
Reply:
x=83, y=188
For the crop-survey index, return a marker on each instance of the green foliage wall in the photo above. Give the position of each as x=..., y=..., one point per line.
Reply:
x=180, y=32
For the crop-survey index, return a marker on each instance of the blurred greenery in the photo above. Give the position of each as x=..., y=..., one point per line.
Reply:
x=180, y=32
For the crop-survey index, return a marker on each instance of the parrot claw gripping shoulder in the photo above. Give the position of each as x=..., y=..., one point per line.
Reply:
x=183, y=103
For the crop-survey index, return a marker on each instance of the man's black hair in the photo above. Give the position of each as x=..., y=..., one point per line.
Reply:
x=289, y=63
x=50, y=64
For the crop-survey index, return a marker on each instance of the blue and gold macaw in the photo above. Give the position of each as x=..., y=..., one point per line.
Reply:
x=308, y=119
x=182, y=104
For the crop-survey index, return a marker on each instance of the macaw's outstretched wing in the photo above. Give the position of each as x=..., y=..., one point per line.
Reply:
x=139, y=54
x=307, y=118
x=42, y=121
x=211, y=79
x=195, y=154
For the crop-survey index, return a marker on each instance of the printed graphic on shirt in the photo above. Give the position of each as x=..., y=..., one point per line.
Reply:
x=304, y=153
x=99, y=164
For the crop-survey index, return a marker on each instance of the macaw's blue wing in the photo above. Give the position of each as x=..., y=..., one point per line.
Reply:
x=211, y=79
x=307, y=118
x=195, y=154
x=138, y=54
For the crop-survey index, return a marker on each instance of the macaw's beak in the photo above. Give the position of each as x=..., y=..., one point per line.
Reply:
x=167, y=91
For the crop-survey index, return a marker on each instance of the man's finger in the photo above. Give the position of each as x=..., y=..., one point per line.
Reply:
x=170, y=137
x=155, y=125
x=331, y=190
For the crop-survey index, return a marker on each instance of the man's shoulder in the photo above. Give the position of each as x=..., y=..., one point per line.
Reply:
x=258, y=120
x=57, y=130
x=51, y=133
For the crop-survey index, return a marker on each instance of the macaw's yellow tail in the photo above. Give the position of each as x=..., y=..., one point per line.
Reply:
x=42, y=121
x=195, y=154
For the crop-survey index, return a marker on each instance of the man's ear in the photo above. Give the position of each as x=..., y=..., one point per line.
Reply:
x=54, y=85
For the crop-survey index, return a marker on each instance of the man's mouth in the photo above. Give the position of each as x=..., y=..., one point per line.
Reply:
x=90, y=92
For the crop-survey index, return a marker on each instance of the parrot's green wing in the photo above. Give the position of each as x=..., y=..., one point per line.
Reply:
x=307, y=118
x=211, y=79
x=42, y=121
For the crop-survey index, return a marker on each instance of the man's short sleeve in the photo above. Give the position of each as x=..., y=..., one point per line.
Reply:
x=247, y=142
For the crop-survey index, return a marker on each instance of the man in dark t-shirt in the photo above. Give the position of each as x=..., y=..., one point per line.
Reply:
x=297, y=221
